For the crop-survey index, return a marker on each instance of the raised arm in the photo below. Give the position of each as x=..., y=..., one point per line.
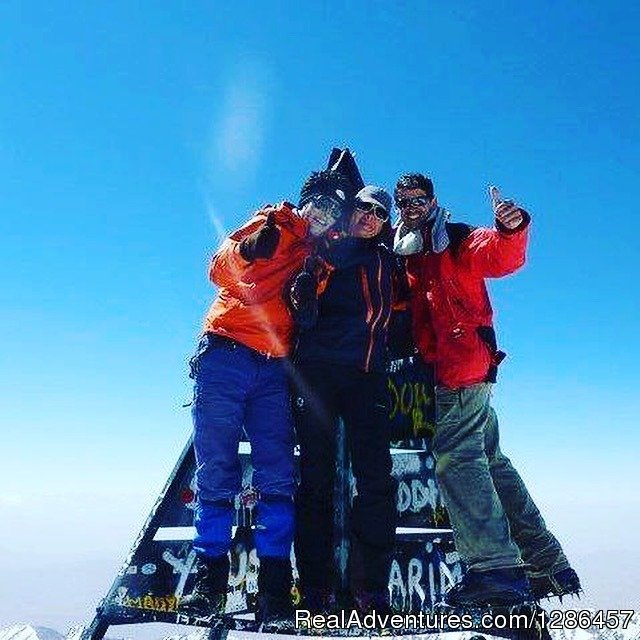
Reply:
x=228, y=268
x=493, y=253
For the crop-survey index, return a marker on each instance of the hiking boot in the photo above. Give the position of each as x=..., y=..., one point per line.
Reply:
x=209, y=594
x=318, y=601
x=275, y=604
x=375, y=603
x=498, y=587
x=560, y=583
x=372, y=601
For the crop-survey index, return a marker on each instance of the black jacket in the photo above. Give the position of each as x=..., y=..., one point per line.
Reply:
x=355, y=283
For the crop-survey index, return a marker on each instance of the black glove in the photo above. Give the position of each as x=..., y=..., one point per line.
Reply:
x=261, y=243
x=303, y=290
x=303, y=298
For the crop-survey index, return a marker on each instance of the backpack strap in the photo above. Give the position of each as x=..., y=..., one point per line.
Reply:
x=458, y=232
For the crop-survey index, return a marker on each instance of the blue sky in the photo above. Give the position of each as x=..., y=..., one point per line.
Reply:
x=133, y=134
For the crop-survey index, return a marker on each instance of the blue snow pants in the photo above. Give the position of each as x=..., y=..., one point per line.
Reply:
x=238, y=387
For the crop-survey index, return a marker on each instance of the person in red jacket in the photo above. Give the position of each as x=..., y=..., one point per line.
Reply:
x=241, y=383
x=511, y=556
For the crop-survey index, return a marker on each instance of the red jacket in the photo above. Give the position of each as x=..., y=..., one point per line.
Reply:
x=452, y=314
x=250, y=306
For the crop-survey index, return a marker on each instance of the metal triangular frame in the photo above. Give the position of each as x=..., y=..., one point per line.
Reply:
x=157, y=572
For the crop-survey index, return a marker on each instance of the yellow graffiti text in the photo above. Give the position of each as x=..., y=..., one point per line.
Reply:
x=411, y=399
x=152, y=603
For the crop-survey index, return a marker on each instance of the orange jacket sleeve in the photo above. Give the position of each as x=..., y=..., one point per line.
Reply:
x=228, y=269
x=260, y=280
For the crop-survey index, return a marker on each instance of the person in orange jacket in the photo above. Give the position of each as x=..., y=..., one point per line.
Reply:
x=241, y=382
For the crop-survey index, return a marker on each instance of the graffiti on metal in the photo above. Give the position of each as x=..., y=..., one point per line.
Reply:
x=160, y=568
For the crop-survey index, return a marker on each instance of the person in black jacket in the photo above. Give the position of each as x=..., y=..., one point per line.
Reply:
x=344, y=304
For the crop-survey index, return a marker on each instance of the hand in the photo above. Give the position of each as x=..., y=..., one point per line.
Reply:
x=261, y=243
x=303, y=290
x=509, y=215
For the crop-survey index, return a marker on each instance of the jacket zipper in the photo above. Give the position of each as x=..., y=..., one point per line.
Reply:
x=377, y=318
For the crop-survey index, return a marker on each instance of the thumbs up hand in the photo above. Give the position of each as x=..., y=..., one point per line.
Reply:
x=508, y=214
x=263, y=242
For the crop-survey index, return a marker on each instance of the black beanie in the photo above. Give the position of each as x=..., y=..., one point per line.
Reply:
x=332, y=184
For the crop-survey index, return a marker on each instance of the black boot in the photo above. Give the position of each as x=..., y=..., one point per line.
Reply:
x=375, y=603
x=558, y=583
x=209, y=594
x=367, y=602
x=274, y=595
x=319, y=601
x=507, y=586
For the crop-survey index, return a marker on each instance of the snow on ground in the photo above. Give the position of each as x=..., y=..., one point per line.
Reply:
x=28, y=632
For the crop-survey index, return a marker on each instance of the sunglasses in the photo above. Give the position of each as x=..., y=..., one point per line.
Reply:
x=416, y=201
x=327, y=205
x=369, y=207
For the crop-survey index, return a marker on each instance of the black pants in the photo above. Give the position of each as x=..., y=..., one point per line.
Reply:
x=323, y=393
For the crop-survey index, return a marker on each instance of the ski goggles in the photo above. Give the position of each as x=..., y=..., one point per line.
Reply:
x=327, y=205
x=416, y=201
x=369, y=207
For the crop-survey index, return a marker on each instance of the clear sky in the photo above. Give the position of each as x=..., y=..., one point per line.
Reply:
x=133, y=133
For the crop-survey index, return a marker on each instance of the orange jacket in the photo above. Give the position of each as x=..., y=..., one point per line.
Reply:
x=250, y=306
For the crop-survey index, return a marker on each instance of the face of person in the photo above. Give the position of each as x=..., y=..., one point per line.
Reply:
x=414, y=206
x=367, y=220
x=321, y=212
